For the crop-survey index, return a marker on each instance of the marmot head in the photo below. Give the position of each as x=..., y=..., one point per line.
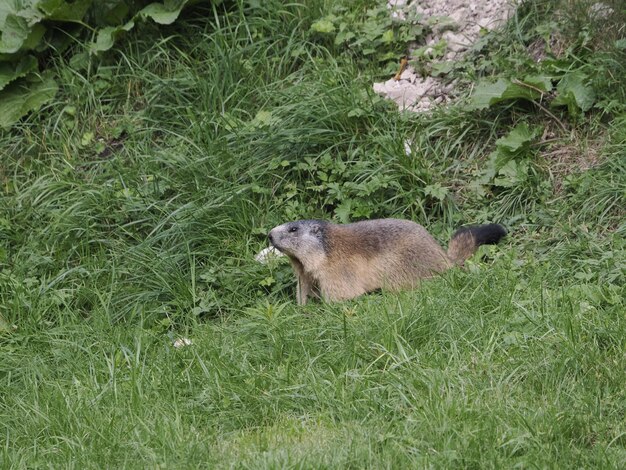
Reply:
x=304, y=240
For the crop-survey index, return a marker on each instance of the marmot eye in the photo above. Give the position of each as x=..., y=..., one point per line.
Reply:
x=293, y=229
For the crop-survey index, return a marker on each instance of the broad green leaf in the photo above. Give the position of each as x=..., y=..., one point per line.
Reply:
x=10, y=71
x=14, y=32
x=540, y=82
x=113, y=12
x=24, y=95
x=518, y=91
x=519, y=137
x=112, y=16
x=61, y=10
x=163, y=13
x=573, y=93
x=34, y=37
x=23, y=8
x=25, y=23
x=486, y=93
x=512, y=174
x=107, y=36
x=5, y=9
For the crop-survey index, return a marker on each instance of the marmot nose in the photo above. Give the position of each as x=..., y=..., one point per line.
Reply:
x=269, y=235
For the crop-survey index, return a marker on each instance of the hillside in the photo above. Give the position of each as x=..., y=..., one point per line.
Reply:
x=133, y=203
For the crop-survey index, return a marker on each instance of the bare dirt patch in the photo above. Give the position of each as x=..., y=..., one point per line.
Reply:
x=577, y=156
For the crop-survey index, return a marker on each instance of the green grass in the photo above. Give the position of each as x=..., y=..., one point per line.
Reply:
x=132, y=208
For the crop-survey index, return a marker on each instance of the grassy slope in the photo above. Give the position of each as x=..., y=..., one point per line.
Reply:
x=133, y=206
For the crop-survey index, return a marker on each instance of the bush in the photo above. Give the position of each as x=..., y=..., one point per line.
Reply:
x=31, y=32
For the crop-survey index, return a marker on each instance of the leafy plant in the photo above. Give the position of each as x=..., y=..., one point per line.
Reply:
x=488, y=93
x=557, y=63
x=508, y=163
x=342, y=184
x=30, y=31
x=371, y=34
x=511, y=172
x=574, y=92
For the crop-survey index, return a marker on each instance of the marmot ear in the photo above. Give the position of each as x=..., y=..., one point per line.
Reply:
x=315, y=228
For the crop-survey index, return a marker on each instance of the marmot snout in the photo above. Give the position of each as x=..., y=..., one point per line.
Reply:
x=304, y=240
x=340, y=262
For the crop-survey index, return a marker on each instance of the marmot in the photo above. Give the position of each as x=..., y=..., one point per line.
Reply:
x=343, y=261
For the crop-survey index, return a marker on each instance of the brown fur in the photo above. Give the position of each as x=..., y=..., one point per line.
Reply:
x=461, y=247
x=340, y=262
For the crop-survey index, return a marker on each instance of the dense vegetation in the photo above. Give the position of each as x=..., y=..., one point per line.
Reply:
x=33, y=30
x=133, y=204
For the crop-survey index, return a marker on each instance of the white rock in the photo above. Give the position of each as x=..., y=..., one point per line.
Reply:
x=456, y=42
x=459, y=16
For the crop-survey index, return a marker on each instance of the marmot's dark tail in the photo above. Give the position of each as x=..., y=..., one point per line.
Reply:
x=466, y=240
